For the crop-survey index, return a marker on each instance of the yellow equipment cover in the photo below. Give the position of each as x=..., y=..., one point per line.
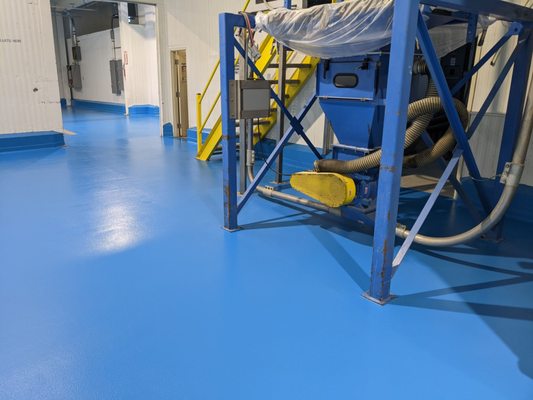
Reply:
x=331, y=189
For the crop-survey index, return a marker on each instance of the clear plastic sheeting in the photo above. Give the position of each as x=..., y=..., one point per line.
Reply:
x=447, y=38
x=332, y=30
x=349, y=28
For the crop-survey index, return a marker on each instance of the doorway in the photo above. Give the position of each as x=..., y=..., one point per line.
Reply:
x=180, y=98
x=107, y=57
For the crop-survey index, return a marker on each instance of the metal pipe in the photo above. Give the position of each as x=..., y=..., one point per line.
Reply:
x=513, y=175
x=243, y=72
x=270, y=192
x=282, y=75
x=199, y=121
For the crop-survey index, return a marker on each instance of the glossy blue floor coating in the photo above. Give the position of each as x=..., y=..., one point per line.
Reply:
x=117, y=282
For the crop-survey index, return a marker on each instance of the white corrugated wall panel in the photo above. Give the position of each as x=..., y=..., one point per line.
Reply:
x=29, y=95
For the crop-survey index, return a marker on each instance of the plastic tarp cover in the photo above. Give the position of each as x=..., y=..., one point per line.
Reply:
x=349, y=28
x=332, y=30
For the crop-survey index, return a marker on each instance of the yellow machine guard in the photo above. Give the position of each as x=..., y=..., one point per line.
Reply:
x=331, y=189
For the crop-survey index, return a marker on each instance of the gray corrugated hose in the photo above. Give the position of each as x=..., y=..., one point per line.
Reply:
x=442, y=147
x=420, y=113
x=512, y=181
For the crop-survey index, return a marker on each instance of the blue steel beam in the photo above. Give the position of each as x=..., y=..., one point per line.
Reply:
x=445, y=94
x=275, y=153
x=497, y=8
x=398, y=90
x=227, y=24
x=495, y=89
x=471, y=33
x=292, y=120
x=449, y=107
x=515, y=29
x=232, y=204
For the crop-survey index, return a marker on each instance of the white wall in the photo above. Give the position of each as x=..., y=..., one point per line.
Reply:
x=139, y=48
x=192, y=26
x=29, y=95
x=96, y=52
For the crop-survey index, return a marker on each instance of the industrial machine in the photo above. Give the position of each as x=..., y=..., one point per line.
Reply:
x=380, y=93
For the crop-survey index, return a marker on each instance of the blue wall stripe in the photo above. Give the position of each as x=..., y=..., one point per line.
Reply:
x=168, y=130
x=117, y=108
x=143, y=110
x=191, y=134
x=30, y=141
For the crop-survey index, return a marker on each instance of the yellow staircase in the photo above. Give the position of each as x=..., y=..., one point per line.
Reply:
x=302, y=72
x=294, y=85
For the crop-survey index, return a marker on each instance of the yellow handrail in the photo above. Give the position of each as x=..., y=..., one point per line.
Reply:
x=200, y=97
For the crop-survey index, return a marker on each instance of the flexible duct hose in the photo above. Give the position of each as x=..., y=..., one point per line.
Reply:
x=444, y=144
x=420, y=116
x=511, y=186
x=421, y=113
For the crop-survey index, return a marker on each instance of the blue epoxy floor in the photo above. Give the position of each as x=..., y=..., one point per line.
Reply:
x=117, y=282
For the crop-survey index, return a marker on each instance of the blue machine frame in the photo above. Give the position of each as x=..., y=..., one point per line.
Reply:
x=408, y=26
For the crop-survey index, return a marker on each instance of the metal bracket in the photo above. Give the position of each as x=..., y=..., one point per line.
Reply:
x=381, y=302
x=512, y=174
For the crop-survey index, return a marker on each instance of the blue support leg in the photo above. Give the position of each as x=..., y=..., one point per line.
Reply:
x=229, y=135
x=398, y=91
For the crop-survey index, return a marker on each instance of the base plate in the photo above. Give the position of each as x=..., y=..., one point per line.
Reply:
x=383, y=302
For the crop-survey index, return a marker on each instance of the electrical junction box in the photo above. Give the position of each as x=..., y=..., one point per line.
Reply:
x=117, y=79
x=75, y=76
x=249, y=99
x=76, y=53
